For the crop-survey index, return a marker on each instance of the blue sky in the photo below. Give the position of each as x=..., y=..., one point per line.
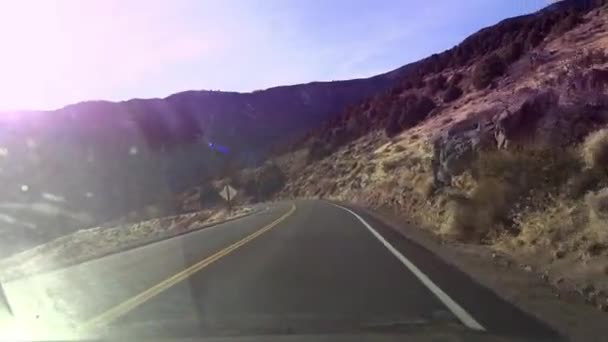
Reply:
x=65, y=51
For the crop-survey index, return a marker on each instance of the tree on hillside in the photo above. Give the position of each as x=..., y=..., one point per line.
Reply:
x=393, y=126
x=512, y=52
x=154, y=129
x=269, y=180
x=417, y=111
x=491, y=67
x=436, y=83
x=318, y=150
x=188, y=128
x=451, y=94
x=455, y=79
x=568, y=23
x=407, y=113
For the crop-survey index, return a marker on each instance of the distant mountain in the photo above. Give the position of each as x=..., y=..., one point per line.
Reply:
x=95, y=161
x=244, y=121
x=100, y=160
x=428, y=85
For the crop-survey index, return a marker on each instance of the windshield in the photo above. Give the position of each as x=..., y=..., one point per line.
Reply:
x=322, y=170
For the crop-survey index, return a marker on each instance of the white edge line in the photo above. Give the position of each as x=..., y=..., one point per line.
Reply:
x=456, y=309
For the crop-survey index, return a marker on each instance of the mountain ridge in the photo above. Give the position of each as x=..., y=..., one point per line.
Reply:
x=107, y=160
x=110, y=159
x=386, y=75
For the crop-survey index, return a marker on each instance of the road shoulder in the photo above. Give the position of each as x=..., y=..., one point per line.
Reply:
x=566, y=313
x=98, y=242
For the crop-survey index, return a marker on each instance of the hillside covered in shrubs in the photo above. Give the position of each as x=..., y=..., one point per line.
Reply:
x=473, y=65
x=101, y=161
x=500, y=141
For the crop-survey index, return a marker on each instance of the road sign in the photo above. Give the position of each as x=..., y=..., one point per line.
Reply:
x=228, y=192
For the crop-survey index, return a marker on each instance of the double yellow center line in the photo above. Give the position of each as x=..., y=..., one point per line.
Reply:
x=131, y=303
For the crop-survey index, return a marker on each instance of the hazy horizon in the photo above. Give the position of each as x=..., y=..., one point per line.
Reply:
x=66, y=51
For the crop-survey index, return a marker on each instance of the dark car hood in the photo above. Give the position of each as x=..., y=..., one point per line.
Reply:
x=300, y=328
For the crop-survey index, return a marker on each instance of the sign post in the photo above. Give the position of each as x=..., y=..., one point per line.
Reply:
x=228, y=199
x=228, y=194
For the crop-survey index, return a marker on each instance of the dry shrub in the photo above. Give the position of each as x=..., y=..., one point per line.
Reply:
x=553, y=225
x=392, y=164
x=424, y=185
x=407, y=113
x=447, y=120
x=598, y=204
x=583, y=182
x=528, y=167
x=472, y=218
x=598, y=212
x=487, y=70
x=501, y=181
x=436, y=83
x=591, y=57
x=491, y=193
x=269, y=180
x=402, y=161
x=595, y=150
x=570, y=225
x=451, y=94
x=370, y=168
x=318, y=150
x=464, y=183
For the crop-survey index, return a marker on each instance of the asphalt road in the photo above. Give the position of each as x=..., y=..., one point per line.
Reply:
x=306, y=267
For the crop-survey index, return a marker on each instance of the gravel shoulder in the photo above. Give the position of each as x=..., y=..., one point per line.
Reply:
x=92, y=243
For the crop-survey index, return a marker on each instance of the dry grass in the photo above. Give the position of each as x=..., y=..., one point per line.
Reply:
x=425, y=186
x=517, y=193
x=398, y=148
x=473, y=217
x=528, y=167
x=571, y=226
x=552, y=225
x=563, y=223
x=499, y=184
x=482, y=199
x=598, y=214
x=561, y=212
x=582, y=182
x=598, y=204
x=595, y=150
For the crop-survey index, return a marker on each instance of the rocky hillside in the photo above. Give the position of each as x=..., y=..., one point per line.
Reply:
x=474, y=65
x=91, y=162
x=501, y=141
